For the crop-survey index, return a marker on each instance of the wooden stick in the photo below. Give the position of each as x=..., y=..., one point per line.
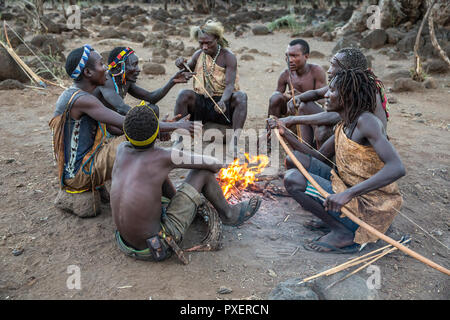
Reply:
x=220, y=109
x=299, y=133
x=381, y=255
x=356, y=220
x=22, y=64
x=341, y=267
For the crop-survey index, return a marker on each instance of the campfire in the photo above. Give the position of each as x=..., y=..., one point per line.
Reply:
x=237, y=177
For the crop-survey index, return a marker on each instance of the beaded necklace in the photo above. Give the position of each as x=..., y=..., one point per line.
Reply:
x=214, y=63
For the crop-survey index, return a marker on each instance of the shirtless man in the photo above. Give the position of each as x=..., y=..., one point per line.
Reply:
x=367, y=166
x=304, y=76
x=216, y=69
x=316, y=123
x=139, y=172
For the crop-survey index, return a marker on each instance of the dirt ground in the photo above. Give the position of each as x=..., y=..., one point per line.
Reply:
x=255, y=257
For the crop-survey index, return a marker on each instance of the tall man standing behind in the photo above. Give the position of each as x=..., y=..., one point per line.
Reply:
x=216, y=72
x=302, y=75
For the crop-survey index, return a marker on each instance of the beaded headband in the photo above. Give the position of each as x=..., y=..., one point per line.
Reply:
x=82, y=64
x=121, y=57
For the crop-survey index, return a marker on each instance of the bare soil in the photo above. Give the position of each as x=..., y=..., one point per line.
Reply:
x=255, y=257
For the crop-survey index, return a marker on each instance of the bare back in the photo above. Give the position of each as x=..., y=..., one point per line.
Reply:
x=136, y=192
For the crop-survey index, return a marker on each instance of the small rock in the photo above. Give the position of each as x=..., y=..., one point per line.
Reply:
x=17, y=252
x=291, y=290
x=158, y=59
x=406, y=84
x=430, y=83
x=272, y=273
x=392, y=99
x=260, y=30
x=436, y=66
x=397, y=74
x=224, y=290
x=316, y=54
x=153, y=68
x=11, y=84
x=247, y=57
x=437, y=232
x=327, y=36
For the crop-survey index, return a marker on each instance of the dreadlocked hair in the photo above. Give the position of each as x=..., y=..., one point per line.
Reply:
x=211, y=27
x=357, y=93
x=352, y=58
x=140, y=123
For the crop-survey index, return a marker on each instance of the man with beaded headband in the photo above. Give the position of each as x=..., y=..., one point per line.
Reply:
x=123, y=72
x=216, y=78
x=144, y=230
x=84, y=153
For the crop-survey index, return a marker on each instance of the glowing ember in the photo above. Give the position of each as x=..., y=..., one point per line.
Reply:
x=237, y=177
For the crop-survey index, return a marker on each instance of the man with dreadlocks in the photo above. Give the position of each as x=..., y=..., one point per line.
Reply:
x=315, y=123
x=367, y=166
x=144, y=231
x=123, y=72
x=216, y=78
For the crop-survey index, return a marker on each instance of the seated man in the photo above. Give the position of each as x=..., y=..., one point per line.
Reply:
x=84, y=154
x=367, y=166
x=216, y=75
x=299, y=77
x=140, y=170
x=317, y=125
x=123, y=65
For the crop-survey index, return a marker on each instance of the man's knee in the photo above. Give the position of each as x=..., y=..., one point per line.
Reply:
x=239, y=100
x=322, y=133
x=186, y=95
x=294, y=181
x=309, y=107
x=276, y=98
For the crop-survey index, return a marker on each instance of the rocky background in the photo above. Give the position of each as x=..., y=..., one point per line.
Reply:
x=46, y=33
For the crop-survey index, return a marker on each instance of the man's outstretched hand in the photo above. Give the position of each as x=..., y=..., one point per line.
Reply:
x=180, y=63
x=182, y=76
x=194, y=127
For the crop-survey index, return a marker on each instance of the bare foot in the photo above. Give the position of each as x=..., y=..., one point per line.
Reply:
x=241, y=212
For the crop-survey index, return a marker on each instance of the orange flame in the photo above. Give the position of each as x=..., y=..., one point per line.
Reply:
x=236, y=177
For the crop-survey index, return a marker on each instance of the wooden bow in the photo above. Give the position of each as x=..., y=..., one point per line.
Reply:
x=356, y=220
x=299, y=132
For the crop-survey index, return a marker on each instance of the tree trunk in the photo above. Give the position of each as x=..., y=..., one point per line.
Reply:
x=418, y=74
x=434, y=40
x=201, y=6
